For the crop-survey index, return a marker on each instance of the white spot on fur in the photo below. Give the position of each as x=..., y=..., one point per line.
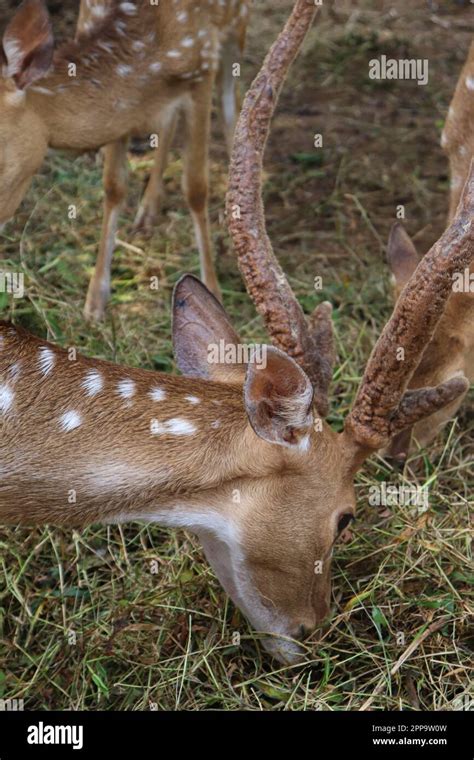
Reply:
x=155, y=67
x=178, y=426
x=173, y=54
x=107, y=46
x=6, y=398
x=216, y=424
x=470, y=83
x=182, y=16
x=47, y=360
x=14, y=98
x=126, y=388
x=175, y=426
x=14, y=371
x=123, y=70
x=157, y=394
x=70, y=421
x=128, y=8
x=187, y=42
x=93, y=382
x=99, y=11
x=193, y=399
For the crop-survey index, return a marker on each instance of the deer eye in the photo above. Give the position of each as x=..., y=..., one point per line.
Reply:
x=344, y=521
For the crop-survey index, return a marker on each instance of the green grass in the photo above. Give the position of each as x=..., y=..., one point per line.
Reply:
x=132, y=617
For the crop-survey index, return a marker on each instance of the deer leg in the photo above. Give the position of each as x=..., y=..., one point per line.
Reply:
x=115, y=186
x=229, y=94
x=195, y=176
x=155, y=189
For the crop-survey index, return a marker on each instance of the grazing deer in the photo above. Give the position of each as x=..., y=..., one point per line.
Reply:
x=133, y=67
x=451, y=348
x=235, y=449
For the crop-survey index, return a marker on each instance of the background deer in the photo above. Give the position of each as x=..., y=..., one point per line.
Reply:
x=237, y=452
x=132, y=69
x=451, y=348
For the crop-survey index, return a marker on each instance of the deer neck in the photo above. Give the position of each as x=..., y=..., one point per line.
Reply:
x=120, y=442
x=192, y=487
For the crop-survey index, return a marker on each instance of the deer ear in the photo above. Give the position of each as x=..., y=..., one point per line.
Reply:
x=278, y=399
x=402, y=255
x=205, y=343
x=28, y=44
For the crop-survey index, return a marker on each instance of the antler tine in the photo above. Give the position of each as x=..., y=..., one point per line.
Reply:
x=266, y=283
x=382, y=407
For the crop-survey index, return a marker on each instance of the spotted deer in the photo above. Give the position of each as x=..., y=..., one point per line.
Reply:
x=236, y=448
x=133, y=67
x=451, y=348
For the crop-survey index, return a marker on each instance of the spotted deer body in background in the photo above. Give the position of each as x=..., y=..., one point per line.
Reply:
x=452, y=346
x=236, y=451
x=133, y=67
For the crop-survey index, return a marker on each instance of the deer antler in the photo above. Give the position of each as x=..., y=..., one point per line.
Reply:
x=383, y=407
x=310, y=343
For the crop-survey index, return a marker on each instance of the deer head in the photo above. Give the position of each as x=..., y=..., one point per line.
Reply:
x=26, y=55
x=451, y=349
x=289, y=513
x=383, y=407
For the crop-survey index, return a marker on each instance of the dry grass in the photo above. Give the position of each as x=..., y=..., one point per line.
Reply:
x=86, y=624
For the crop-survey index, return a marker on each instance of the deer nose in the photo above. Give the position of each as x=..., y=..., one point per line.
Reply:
x=304, y=630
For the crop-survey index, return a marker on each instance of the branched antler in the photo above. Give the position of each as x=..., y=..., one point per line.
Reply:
x=383, y=407
x=310, y=343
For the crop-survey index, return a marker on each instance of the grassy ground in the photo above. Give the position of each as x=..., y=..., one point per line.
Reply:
x=86, y=624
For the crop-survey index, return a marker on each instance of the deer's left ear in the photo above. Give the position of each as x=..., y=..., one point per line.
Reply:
x=278, y=399
x=28, y=44
x=402, y=255
x=204, y=341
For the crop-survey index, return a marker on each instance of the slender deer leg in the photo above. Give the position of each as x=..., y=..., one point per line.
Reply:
x=195, y=176
x=155, y=189
x=229, y=94
x=115, y=186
